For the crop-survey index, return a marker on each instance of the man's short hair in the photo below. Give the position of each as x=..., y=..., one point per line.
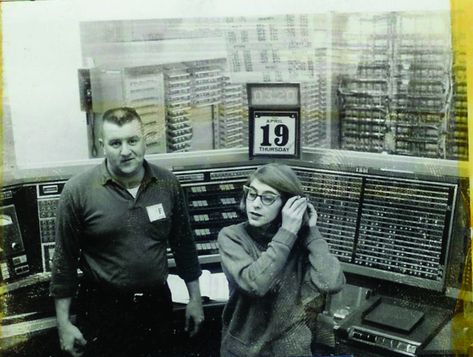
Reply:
x=121, y=116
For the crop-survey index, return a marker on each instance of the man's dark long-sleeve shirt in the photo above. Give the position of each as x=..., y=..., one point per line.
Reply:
x=117, y=240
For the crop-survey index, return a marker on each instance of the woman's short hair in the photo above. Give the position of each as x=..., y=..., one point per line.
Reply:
x=280, y=177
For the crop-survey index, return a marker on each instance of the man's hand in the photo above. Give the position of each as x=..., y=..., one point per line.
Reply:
x=194, y=316
x=71, y=339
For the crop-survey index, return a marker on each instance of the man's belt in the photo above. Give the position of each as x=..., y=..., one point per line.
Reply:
x=133, y=295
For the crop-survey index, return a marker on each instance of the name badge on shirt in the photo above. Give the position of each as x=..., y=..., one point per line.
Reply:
x=156, y=212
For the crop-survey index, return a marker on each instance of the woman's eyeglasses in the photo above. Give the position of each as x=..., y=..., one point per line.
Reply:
x=267, y=199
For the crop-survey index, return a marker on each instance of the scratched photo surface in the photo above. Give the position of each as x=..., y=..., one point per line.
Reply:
x=374, y=124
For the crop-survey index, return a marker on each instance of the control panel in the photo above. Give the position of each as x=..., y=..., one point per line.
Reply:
x=213, y=198
x=404, y=227
x=390, y=228
x=13, y=257
x=383, y=340
x=336, y=198
x=47, y=200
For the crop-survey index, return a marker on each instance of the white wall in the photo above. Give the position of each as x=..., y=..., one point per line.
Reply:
x=41, y=57
x=42, y=53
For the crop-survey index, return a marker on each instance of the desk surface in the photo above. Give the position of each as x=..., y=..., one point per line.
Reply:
x=451, y=339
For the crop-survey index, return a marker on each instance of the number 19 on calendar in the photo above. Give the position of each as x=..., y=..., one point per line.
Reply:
x=275, y=135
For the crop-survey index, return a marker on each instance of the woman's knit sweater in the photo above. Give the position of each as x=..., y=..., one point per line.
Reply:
x=271, y=274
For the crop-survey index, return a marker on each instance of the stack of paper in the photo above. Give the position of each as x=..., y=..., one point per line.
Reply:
x=214, y=286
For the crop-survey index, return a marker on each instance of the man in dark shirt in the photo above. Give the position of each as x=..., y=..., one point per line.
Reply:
x=114, y=222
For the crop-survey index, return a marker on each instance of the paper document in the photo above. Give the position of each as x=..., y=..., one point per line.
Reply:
x=214, y=286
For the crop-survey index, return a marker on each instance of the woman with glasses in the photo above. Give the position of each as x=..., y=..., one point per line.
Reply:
x=275, y=263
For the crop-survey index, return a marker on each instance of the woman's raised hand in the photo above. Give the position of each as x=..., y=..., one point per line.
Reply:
x=311, y=215
x=293, y=213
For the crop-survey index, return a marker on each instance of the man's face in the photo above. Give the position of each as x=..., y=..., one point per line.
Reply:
x=124, y=147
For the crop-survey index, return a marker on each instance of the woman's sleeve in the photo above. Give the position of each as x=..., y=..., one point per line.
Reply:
x=255, y=277
x=325, y=269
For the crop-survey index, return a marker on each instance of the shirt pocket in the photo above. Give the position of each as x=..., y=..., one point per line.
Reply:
x=159, y=229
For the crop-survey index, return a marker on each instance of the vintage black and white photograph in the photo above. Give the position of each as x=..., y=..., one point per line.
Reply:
x=236, y=178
